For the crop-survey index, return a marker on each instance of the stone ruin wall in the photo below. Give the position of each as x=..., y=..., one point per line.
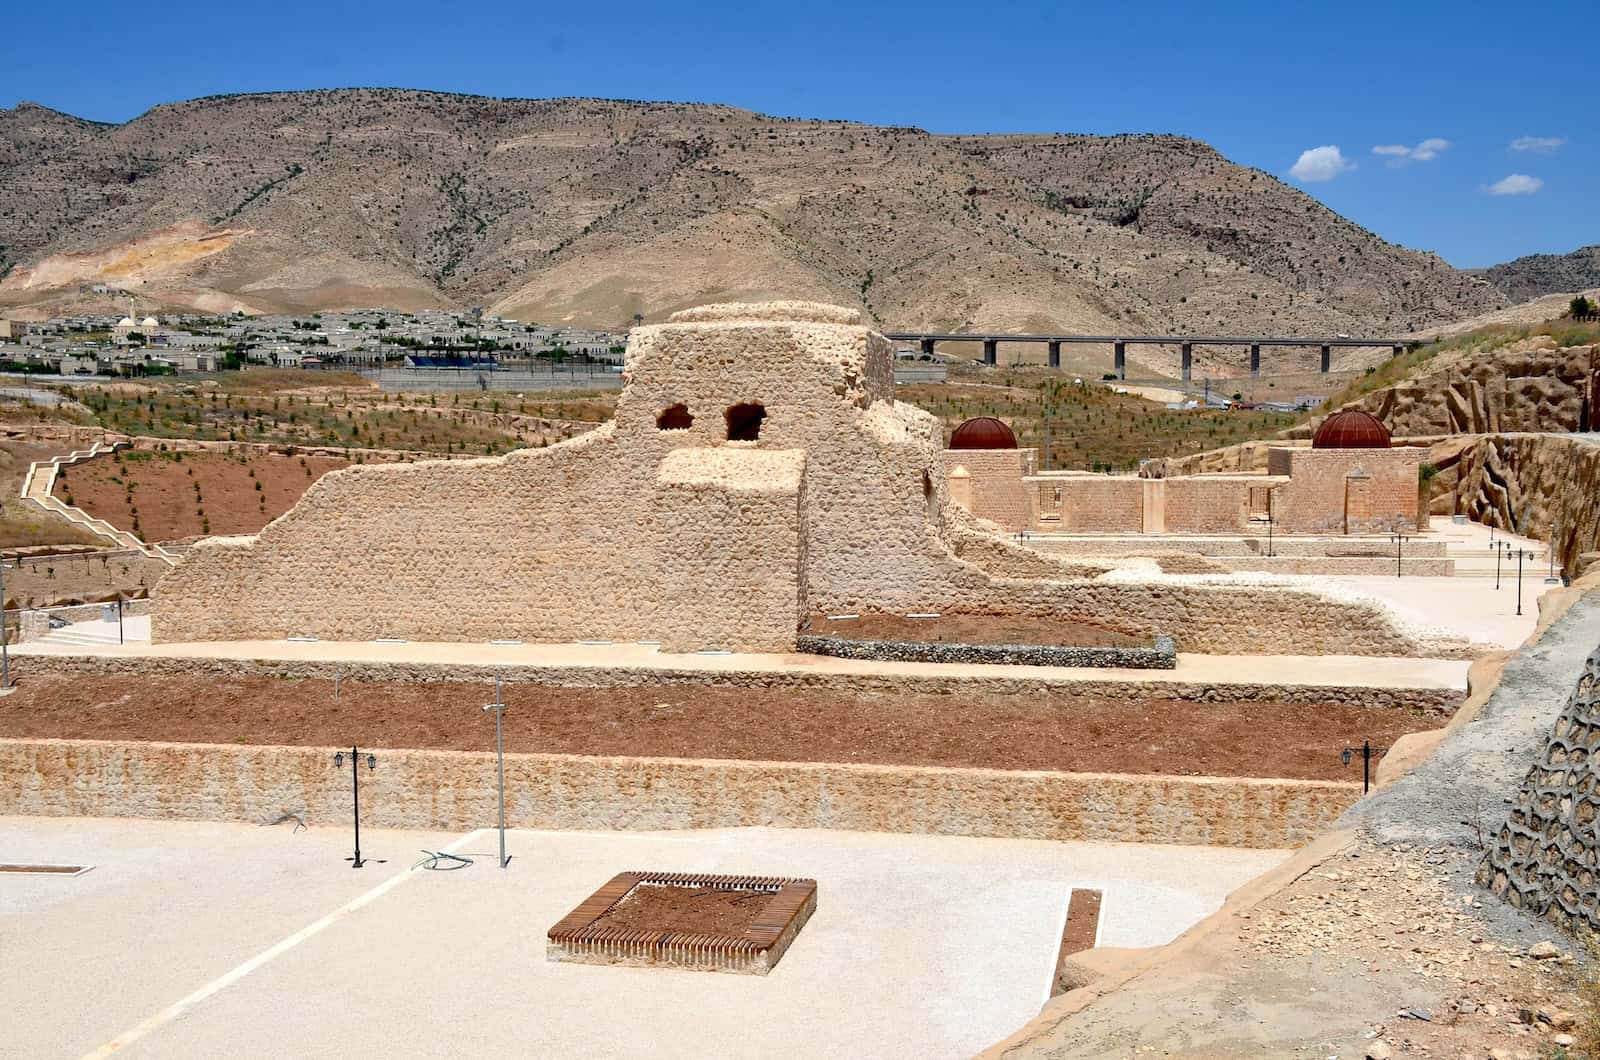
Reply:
x=1545, y=859
x=587, y=539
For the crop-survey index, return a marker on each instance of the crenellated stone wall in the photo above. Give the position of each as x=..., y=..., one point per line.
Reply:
x=1546, y=857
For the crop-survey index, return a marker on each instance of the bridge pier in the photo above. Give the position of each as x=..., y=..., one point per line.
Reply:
x=1188, y=360
x=1119, y=355
x=991, y=351
x=1054, y=360
x=1327, y=359
x=1255, y=360
x=1398, y=350
x=927, y=347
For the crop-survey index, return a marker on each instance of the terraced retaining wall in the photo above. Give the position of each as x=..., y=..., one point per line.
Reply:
x=1018, y=682
x=456, y=790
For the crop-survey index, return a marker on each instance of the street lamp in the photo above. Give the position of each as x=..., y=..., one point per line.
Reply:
x=1521, y=555
x=1367, y=751
x=1399, y=540
x=1499, y=552
x=499, y=708
x=355, y=791
x=5, y=631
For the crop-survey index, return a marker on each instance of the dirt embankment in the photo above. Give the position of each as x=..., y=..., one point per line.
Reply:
x=1050, y=732
x=175, y=495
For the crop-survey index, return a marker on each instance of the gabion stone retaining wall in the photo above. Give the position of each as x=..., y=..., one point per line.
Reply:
x=1544, y=857
x=1162, y=656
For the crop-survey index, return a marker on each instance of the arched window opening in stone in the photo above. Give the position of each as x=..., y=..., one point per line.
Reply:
x=675, y=418
x=744, y=421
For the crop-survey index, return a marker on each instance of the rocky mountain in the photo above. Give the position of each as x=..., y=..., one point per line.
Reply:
x=1542, y=274
x=592, y=211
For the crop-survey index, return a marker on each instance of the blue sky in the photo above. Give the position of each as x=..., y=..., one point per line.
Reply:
x=1262, y=82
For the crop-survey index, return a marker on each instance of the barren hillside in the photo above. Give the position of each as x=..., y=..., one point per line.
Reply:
x=1542, y=274
x=591, y=211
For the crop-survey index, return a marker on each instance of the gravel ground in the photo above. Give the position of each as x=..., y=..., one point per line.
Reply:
x=1470, y=781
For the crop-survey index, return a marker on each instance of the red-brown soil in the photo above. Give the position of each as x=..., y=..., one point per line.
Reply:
x=973, y=629
x=163, y=499
x=1083, y=922
x=692, y=910
x=1057, y=731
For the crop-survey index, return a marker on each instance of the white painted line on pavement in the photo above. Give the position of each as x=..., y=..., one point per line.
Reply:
x=227, y=979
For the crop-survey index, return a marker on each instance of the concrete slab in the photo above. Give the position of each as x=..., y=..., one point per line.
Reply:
x=921, y=946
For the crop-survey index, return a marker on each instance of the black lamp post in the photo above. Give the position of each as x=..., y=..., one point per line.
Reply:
x=1499, y=552
x=355, y=791
x=1521, y=555
x=1367, y=751
x=499, y=708
x=1399, y=540
x=5, y=633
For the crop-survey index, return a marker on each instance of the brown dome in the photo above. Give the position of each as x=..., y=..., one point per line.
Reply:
x=983, y=432
x=1351, y=429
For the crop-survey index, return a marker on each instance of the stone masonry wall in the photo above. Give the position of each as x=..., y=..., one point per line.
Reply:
x=1207, y=505
x=1095, y=503
x=997, y=492
x=1546, y=857
x=456, y=790
x=1314, y=498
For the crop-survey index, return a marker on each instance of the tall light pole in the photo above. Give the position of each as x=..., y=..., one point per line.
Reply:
x=355, y=791
x=499, y=708
x=1399, y=540
x=1521, y=555
x=5, y=631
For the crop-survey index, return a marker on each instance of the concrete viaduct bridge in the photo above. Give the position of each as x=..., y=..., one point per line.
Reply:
x=1120, y=343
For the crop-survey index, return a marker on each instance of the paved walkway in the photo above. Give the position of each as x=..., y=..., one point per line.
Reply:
x=921, y=946
x=1339, y=671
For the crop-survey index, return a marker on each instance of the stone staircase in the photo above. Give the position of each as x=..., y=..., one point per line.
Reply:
x=41, y=480
x=82, y=634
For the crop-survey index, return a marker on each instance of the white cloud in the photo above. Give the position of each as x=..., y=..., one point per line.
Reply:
x=1400, y=154
x=1516, y=184
x=1319, y=164
x=1541, y=144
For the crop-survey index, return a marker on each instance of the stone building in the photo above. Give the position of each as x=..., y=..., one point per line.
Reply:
x=1350, y=481
x=758, y=471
